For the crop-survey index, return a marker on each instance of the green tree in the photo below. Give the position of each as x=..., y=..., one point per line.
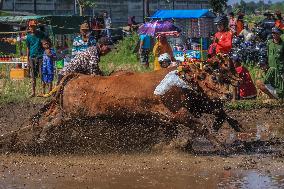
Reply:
x=218, y=6
x=83, y=4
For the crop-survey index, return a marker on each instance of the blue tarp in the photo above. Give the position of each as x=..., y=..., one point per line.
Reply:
x=183, y=14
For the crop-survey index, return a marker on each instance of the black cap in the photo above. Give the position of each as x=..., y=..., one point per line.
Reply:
x=223, y=19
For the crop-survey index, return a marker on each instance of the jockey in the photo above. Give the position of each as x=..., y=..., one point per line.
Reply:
x=222, y=42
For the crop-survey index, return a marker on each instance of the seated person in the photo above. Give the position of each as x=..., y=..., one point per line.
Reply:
x=273, y=84
x=246, y=88
x=247, y=33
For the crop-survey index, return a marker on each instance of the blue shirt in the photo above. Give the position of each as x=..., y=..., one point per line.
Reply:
x=146, y=40
x=79, y=45
x=47, y=63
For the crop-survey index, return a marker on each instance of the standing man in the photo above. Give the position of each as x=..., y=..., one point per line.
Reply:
x=240, y=23
x=273, y=84
x=107, y=21
x=34, y=52
x=144, y=49
x=268, y=23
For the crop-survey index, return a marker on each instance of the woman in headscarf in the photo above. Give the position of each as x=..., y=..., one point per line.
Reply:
x=161, y=47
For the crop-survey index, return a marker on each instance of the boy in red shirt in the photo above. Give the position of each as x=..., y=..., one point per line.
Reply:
x=246, y=88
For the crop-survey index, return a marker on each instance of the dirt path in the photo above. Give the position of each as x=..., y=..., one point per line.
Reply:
x=164, y=167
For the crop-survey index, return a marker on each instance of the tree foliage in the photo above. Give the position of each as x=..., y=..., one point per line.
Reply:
x=218, y=6
x=252, y=7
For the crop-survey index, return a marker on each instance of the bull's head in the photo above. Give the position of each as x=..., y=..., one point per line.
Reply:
x=211, y=80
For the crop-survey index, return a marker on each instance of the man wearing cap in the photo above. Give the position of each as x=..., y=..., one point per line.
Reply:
x=273, y=84
x=222, y=42
x=268, y=23
x=34, y=52
x=83, y=41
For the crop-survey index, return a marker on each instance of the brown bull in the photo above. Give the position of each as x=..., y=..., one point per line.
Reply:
x=128, y=94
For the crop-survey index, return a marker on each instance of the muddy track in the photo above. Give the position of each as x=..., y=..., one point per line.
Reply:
x=131, y=154
x=264, y=129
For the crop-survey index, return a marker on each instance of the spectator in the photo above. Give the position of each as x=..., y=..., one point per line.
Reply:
x=144, y=49
x=87, y=62
x=223, y=38
x=233, y=23
x=240, y=23
x=246, y=33
x=132, y=23
x=246, y=88
x=34, y=52
x=161, y=48
x=273, y=84
x=267, y=24
x=97, y=26
x=107, y=22
x=279, y=23
x=49, y=57
x=83, y=41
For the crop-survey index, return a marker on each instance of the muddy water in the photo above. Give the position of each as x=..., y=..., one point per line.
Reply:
x=257, y=165
x=162, y=170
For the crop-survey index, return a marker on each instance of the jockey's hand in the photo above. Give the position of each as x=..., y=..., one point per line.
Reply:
x=216, y=40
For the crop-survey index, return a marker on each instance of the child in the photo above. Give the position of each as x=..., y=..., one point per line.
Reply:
x=246, y=88
x=49, y=56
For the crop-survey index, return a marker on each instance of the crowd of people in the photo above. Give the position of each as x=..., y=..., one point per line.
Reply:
x=87, y=48
x=229, y=28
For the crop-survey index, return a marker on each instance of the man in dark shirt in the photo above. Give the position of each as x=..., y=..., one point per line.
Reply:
x=34, y=52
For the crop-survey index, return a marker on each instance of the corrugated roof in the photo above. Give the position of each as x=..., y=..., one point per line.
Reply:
x=19, y=19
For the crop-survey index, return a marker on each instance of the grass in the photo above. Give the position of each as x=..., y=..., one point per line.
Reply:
x=253, y=104
x=18, y=91
x=123, y=57
x=14, y=91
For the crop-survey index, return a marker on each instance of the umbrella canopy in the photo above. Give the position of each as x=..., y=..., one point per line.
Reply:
x=152, y=28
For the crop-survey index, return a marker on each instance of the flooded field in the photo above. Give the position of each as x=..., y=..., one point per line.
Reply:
x=118, y=158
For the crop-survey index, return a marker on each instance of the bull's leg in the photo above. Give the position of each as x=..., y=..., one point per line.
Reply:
x=234, y=124
x=221, y=117
x=57, y=120
x=219, y=120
